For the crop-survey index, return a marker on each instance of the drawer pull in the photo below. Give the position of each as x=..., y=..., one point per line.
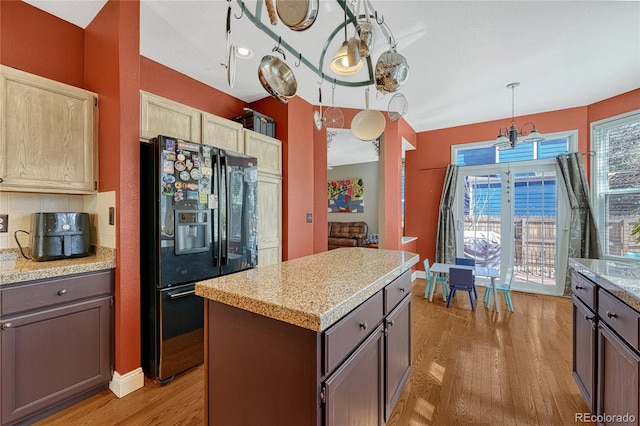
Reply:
x=7, y=325
x=62, y=292
x=402, y=290
x=579, y=287
x=364, y=325
x=589, y=318
x=391, y=323
x=611, y=315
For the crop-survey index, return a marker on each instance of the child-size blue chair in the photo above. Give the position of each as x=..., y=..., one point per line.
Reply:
x=505, y=288
x=461, y=279
x=434, y=282
x=468, y=262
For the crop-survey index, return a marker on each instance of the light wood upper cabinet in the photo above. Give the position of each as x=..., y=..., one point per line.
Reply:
x=266, y=149
x=161, y=116
x=222, y=133
x=48, y=141
x=269, y=219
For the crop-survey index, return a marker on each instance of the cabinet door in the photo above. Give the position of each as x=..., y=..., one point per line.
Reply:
x=52, y=355
x=618, y=378
x=269, y=219
x=267, y=150
x=48, y=142
x=584, y=351
x=354, y=392
x=160, y=116
x=398, y=352
x=222, y=133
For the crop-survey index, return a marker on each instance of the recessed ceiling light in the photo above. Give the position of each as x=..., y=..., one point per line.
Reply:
x=243, y=52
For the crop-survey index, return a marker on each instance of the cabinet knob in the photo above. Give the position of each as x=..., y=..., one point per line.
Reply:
x=391, y=323
x=7, y=325
x=62, y=292
x=364, y=325
x=611, y=315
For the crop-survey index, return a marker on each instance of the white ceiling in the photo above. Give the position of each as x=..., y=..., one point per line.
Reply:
x=461, y=54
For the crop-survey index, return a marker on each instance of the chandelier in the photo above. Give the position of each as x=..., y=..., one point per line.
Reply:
x=508, y=138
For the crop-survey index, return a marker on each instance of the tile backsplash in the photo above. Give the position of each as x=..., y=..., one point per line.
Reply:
x=20, y=205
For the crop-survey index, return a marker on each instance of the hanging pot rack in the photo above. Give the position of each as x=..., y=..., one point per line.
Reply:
x=317, y=69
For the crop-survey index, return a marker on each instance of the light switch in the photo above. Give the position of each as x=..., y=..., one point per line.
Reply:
x=309, y=217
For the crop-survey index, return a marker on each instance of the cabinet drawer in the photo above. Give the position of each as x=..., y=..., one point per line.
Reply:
x=396, y=291
x=345, y=336
x=584, y=289
x=55, y=291
x=620, y=317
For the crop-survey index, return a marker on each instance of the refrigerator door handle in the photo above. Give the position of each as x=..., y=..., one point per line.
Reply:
x=217, y=246
x=173, y=296
x=227, y=200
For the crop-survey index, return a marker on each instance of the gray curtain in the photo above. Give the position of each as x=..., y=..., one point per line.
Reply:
x=583, y=234
x=446, y=236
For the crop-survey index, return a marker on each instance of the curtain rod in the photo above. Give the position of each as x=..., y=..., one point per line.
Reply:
x=592, y=153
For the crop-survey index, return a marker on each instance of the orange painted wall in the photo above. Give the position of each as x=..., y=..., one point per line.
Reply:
x=112, y=69
x=37, y=42
x=320, y=216
x=620, y=104
x=163, y=81
x=294, y=127
x=423, y=188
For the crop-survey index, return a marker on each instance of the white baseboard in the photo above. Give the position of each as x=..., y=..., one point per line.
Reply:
x=420, y=274
x=122, y=385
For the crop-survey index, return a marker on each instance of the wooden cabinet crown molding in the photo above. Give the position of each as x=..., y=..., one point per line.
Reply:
x=48, y=141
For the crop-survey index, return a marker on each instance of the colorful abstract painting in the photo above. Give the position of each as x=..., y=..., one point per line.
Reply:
x=346, y=196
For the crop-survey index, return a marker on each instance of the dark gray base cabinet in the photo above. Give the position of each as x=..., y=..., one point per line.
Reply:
x=354, y=392
x=260, y=371
x=55, y=344
x=618, y=378
x=606, y=353
x=584, y=351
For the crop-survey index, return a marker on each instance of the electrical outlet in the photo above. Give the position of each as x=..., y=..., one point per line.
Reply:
x=309, y=217
x=4, y=222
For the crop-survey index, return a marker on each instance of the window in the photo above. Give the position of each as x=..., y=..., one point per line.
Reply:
x=485, y=153
x=615, y=183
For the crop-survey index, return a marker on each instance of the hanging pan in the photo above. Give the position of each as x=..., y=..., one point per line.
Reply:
x=276, y=77
x=317, y=115
x=368, y=124
x=398, y=106
x=297, y=14
x=231, y=53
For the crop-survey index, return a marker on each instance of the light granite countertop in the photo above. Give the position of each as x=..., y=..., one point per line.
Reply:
x=619, y=277
x=14, y=268
x=314, y=291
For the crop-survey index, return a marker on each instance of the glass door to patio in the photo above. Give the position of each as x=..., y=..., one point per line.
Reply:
x=508, y=215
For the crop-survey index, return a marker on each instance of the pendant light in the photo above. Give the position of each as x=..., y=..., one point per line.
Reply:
x=508, y=137
x=347, y=59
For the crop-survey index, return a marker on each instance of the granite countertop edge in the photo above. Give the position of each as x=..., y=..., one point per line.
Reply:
x=299, y=316
x=16, y=269
x=624, y=288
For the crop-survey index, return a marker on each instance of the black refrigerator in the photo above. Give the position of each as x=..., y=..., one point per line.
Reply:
x=198, y=220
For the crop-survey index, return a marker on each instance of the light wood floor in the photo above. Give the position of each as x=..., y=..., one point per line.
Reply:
x=477, y=368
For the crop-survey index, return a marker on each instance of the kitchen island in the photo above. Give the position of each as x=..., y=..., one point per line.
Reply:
x=323, y=339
